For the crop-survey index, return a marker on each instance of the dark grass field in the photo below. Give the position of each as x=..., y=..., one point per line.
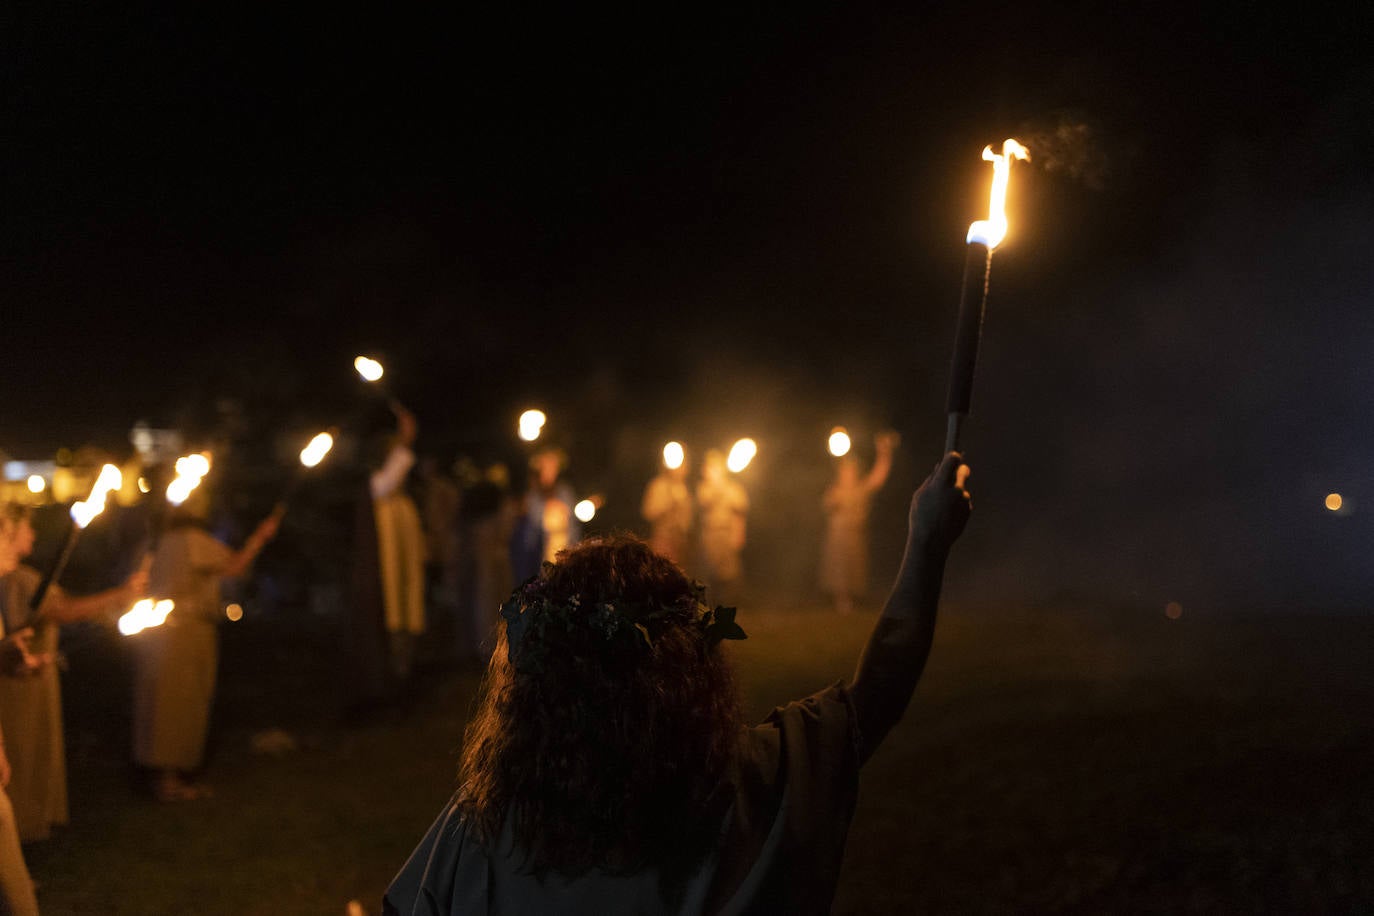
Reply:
x=1053, y=760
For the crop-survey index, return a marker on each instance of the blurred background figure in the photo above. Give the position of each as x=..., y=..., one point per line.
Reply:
x=548, y=524
x=724, y=508
x=16, y=887
x=844, y=556
x=486, y=523
x=175, y=663
x=388, y=601
x=31, y=706
x=440, y=503
x=667, y=507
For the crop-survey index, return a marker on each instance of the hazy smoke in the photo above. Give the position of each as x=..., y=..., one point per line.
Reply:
x=1071, y=147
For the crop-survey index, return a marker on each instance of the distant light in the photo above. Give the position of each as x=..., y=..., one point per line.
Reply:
x=1173, y=610
x=585, y=510
x=839, y=442
x=532, y=424
x=234, y=612
x=369, y=369
x=36, y=483
x=143, y=486
x=1334, y=502
x=673, y=456
x=741, y=453
x=317, y=448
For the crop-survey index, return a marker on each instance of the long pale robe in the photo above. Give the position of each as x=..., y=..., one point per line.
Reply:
x=667, y=507
x=176, y=663
x=724, y=507
x=844, y=557
x=31, y=715
x=401, y=562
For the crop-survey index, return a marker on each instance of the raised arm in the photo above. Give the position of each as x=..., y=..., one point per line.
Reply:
x=243, y=558
x=896, y=653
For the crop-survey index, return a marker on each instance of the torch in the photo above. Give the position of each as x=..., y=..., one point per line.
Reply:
x=314, y=452
x=983, y=237
x=82, y=513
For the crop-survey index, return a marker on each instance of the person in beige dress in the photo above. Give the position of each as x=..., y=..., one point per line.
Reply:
x=844, y=558
x=31, y=706
x=724, y=508
x=16, y=886
x=176, y=663
x=667, y=507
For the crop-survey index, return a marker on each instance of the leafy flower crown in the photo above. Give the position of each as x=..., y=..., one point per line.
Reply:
x=532, y=618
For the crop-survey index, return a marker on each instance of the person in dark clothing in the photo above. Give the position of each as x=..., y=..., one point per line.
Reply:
x=606, y=769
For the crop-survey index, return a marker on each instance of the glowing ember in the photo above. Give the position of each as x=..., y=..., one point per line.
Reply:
x=585, y=510
x=317, y=448
x=369, y=369
x=234, y=612
x=741, y=453
x=144, y=614
x=673, y=456
x=839, y=442
x=993, y=230
x=143, y=486
x=37, y=484
x=532, y=424
x=1334, y=502
x=109, y=480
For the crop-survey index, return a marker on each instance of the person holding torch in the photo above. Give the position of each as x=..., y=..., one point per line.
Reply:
x=176, y=662
x=606, y=768
x=31, y=705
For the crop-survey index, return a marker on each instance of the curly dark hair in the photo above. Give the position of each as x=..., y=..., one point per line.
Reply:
x=602, y=759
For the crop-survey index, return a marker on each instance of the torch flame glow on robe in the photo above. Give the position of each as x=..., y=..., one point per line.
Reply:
x=983, y=236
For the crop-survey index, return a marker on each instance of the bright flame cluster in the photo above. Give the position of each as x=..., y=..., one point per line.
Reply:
x=191, y=469
x=317, y=448
x=109, y=480
x=368, y=368
x=993, y=230
x=673, y=455
x=144, y=614
x=838, y=442
x=585, y=510
x=741, y=453
x=531, y=424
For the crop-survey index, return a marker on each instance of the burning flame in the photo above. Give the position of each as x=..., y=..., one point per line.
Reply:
x=369, y=369
x=37, y=484
x=839, y=442
x=741, y=453
x=993, y=230
x=144, y=614
x=532, y=424
x=196, y=466
x=673, y=456
x=317, y=448
x=109, y=480
x=585, y=510
x=191, y=469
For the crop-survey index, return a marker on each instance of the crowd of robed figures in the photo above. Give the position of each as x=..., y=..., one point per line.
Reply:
x=449, y=557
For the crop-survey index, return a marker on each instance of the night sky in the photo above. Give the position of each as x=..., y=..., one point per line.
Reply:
x=744, y=222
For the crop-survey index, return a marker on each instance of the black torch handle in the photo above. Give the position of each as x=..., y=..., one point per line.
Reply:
x=53, y=574
x=973, y=298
